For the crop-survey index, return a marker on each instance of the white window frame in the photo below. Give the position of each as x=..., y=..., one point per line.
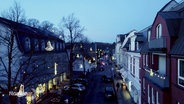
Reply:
x=152, y=58
x=152, y=96
x=143, y=60
x=158, y=31
x=146, y=60
x=180, y=77
x=149, y=35
x=157, y=97
x=148, y=94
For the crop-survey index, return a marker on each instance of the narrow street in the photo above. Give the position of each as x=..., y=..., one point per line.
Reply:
x=95, y=92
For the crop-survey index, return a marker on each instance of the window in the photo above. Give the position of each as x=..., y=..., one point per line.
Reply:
x=36, y=44
x=43, y=45
x=181, y=72
x=158, y=31
x=157, y=97
x=153, y=98
x=27, y=45
x=148, y=94
x=152, y=58
x=146, y=60
x=137, y=45
x=143, y=60
x=143, y=85
x=149, y=35
x=133, y=66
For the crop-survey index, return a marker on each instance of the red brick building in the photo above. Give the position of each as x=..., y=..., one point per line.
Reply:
x=162, y=61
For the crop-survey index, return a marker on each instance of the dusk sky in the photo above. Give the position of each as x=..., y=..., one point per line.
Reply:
x=103, y=19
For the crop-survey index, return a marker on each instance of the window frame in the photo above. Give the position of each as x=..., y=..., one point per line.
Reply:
x=158, y=31
x=180, y=77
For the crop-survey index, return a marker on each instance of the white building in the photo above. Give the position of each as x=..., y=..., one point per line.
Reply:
x=130, y=56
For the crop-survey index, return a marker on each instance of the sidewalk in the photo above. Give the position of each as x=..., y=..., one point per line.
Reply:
x=123, y=96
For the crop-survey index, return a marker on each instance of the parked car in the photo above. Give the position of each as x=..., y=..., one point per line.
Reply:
x=107, y=79
x=109, y=93
x=66, y=89
x=83, y=81
x=78, y=86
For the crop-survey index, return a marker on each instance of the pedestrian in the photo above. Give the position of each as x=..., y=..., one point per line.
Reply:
x=117, y=86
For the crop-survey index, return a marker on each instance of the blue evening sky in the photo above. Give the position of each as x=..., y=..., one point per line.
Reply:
x=103, y=19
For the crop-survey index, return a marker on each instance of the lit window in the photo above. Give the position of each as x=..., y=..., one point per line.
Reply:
x=91, y=49
x=181, y=72
x=158, y=31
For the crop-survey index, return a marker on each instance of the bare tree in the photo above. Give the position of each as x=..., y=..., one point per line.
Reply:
x=33, y=23
x=46, y=25
x=15, y=13
x=74, y=33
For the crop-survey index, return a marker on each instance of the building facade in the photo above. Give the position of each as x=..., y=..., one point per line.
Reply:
x=33, y=62
x=159, y=69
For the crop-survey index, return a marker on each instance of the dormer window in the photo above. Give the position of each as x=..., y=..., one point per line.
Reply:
x=149, y=35
x=158, y=31
x=27, y=44
x=137, y=45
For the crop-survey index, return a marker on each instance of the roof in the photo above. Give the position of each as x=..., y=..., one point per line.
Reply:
x=140, y=37
x=178, y=47
x=28, y=30
x=173, y=20
x=169, y=6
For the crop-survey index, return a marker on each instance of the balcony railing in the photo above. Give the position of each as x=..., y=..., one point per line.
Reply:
x=156, y=78
x=158, y=43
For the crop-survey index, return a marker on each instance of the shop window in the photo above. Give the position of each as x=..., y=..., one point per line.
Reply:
x=181, y=72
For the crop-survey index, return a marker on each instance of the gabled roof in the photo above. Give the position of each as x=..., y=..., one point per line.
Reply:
x=169, y=6
x=28, y=30
x=178, y=47
x=173, y=20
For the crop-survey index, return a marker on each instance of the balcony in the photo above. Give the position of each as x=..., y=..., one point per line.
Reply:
x=156, y=78
x=159, y=43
